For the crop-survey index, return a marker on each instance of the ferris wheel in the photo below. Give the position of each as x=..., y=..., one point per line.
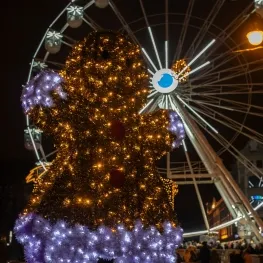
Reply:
x=201, y=68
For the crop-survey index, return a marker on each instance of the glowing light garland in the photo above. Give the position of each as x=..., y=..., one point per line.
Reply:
x=60, y=242
x=98, y=131
x=178, y=66
x=176, y=127
x=39, y=90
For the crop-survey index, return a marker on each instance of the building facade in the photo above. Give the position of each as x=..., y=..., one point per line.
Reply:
x=250, y=181
x=217, y=214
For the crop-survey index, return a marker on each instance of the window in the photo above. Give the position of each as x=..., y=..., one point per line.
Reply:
x=259, y=163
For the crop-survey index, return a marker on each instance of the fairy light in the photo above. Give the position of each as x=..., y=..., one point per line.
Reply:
x=178, y=66
x=104, y=173
x=64, y=242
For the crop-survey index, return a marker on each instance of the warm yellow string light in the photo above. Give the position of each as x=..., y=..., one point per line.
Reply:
x=178, y=66
x=105, y=80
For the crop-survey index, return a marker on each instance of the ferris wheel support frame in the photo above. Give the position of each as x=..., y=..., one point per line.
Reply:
x=225, y=184
x=196, y=188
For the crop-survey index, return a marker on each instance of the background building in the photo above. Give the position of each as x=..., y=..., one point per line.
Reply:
x=250, y=184
x=217, y=214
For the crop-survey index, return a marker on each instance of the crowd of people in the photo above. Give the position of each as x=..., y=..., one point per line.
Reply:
x=239, y=252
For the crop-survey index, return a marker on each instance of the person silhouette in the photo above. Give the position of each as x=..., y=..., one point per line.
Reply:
x=205, y=254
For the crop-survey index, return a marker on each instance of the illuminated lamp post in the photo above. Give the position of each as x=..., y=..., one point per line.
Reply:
x=255, y=35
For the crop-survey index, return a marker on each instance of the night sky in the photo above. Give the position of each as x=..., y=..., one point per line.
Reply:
x=24, y=24
x=27, y=22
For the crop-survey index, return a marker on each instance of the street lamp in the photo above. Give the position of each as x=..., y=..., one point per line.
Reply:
x=255, y=34
x=255, y=37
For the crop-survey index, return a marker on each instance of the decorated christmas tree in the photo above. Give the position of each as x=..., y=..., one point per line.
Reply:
x=102, y=196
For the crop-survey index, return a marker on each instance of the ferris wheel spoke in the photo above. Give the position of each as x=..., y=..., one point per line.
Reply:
x=166, y=44
x=231, y=28
x=124, y=23
x=151, y=34
x=70, y=39
x=153, y=106
x=66, y=43
x=166, y=47
x=227, y=57
x=191, y=89
x=236, y=87
x=221, y=93
x=210, y=99
x=207, y=24
x=90, y=22
x=184, y=30
x=229, y=123
x=240, y=105
x=231, y=149
x=153, y=93
x=214, y=99
x=46, y=57
x=150, y=71
x=194, y=70
x=149, y=104
x=237, y=91
x=240, y=72
x=234, y=152
x=236, y=109
x=149, y=60
x=155, y=47
x=215, y=77
x=196, y=114
x=61, y=65
x=89, y=4
x=196, y=57
x=235, y=69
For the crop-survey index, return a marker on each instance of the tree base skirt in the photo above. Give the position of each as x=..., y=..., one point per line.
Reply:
x=54, y=243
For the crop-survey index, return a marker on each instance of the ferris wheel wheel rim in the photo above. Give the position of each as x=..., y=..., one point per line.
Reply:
x=247, y=74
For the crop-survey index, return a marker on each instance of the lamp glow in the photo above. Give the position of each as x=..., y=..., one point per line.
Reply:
x=255, y=38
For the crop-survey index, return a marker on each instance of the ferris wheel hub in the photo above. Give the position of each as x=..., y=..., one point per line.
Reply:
x=165, y=81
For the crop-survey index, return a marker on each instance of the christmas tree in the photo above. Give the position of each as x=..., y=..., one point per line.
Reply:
x=102, y=197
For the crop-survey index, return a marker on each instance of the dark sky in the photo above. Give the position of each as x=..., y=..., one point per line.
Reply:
x=24, y=24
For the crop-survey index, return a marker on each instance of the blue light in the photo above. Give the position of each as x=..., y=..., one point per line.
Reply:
x=257, y=197
x=166, y=81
